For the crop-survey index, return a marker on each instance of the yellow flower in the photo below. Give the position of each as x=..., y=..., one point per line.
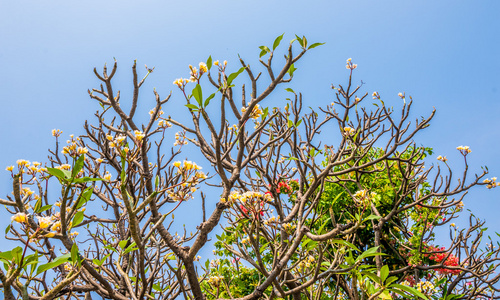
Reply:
x=139, y=135
x=177, y=164
x=203, y=68
x=56, y=132
x=44, y=222
x=22, y=163
x=82, y=150
x=401, y=95
x=56, y=226
x=19, y=218
x=348, y=131
x=216, y=62
x=464, y=149
x=9, y=168
x=109, y=137
x=107, y=177
x=442, y=158
x=452, y=224
x=99, y=160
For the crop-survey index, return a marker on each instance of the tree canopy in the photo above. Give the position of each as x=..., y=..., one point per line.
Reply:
x=334, y=202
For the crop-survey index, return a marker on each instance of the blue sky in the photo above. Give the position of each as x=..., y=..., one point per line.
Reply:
x=443, y=53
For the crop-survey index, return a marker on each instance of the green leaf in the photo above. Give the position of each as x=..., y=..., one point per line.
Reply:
x=390, y=280
x=74, y=253
x=130, y=248
x=157, y=287
x=17, y=254
x=264, y=51
x=97, y=262
x=372, y=217
x=157, y=181
x=410, y=290
x=291, y=70
x=86, y=179
x=44, y=208
x=192, y=106
x=298, y=123
x=209, y=62
x=197, y=94
x=122, y=244
x=385, y=295
x=7, y=229
x=346, y=243
x=301, y=42
x=207, y=101
x=372, y=276
x=265, y=112
x=289, y=90
x=122, y=173
x=58, y=173
x=30, y=259
x=6, y=256
x=315, y=45
x=56, y=262
x=85, y=197
x=38, y=204
x=233, y=76
x=384, y=272
x=78, y=166
x=77, y=219
x=368, y=253
x=290, y=123
x=277, y=41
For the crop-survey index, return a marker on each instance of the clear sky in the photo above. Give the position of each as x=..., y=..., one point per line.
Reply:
x=443, y=53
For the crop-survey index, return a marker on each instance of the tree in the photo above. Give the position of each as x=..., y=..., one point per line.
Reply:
x=306, y=213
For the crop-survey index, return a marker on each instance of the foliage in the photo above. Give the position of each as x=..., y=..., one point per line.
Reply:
x=305, y=214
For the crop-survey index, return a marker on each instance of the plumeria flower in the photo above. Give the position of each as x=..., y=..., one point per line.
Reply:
x=19, y=218
x=442, y=158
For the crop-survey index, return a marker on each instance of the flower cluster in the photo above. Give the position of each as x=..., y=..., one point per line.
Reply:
x=191, y=177
x=180, y=139
x=158, y=115
x=426, y=287
x=31, y=168
x=287, y=187
x=464, y=150
x=251, y=203
x=439, y=255
x=256, y=112
x=491, y=183
x=364, y=195
x=139, y=135
x=284, y=188
x=289, y=227
x=350, y=65
x=164, y=124
x=306, y=263
x=376, y=95
x=56, y=133
x=348, y=131
x=442, y=158
x=215, y=280
x=272, y=220
x=181, y=82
